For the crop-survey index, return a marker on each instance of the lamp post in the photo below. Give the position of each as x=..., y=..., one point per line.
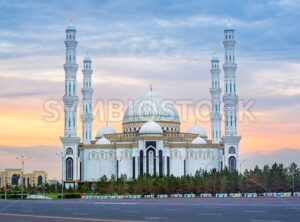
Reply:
x=22, y=159
x=62, y=173
x=5, y=188
x=293, y=183
x=292, y=173
x=244, y=160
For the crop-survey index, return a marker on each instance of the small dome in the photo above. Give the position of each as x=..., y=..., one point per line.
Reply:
x=214, y=58
x=103, y=141
x=87, y=58
x=105, y=130
x=151, y=127
x=229, y=25
x=195, y=129
x=71, y=27
x=199, y=140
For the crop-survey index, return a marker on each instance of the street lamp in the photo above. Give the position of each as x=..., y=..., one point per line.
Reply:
x=62, y=173
x=244, y=160
x=22, y=159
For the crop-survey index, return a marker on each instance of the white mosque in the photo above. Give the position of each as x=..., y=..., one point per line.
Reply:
x=151, y=141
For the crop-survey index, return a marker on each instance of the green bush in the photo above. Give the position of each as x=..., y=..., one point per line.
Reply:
x=70, y=195
x=14, y=196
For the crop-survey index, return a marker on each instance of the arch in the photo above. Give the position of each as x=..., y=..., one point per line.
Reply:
x=69, y=168
x=40, y=180
x=15, y=180
x=208, y=154
x=151, y=161
x=200, y=154
x=232, y=163
x=93, y=155
x=160, y=156
x=141, y=162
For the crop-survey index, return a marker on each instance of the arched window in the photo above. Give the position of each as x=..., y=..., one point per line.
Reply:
x=160, y=155
x=15, y=180
x=40, y=181
x=200, y=154
x=141, y=162
x=208, y=154
x=151, y=161
x=69, y=168
x=232, y=164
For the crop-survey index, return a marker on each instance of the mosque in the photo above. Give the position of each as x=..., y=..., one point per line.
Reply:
x=151, y=141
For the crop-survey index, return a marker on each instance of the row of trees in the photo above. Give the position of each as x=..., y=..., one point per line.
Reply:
x=276, y=178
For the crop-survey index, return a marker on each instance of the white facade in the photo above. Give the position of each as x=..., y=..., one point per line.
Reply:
x=151, y=142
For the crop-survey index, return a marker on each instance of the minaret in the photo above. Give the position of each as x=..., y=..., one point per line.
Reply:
x=215, y=91
x=87, y=92
x=231, y=138
x=70, y=140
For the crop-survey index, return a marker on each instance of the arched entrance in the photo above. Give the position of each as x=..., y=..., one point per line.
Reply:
x=151, y=161
x=15, y=180
x=232, y=163
x=69, y=168
x=40, y=180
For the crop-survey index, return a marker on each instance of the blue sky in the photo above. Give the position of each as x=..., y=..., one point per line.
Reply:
x=265, y=28
x=167, y=43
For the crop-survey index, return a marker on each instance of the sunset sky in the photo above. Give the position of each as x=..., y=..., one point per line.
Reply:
x=167, y=44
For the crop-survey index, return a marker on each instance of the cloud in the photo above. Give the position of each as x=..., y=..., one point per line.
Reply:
x=135, y=43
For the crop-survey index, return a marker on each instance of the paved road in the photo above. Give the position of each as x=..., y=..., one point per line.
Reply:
x=230, y=210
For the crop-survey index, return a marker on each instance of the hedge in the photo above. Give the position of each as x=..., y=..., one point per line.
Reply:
x=70, y=195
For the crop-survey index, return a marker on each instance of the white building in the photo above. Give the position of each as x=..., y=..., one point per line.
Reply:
x=151, y=141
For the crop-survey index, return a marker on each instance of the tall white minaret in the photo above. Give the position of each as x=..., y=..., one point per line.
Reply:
x=215, y=91
x=87, y=92
x=70, y=140
x=231, y=138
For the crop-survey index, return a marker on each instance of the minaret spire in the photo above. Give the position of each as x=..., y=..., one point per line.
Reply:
x=70, y=140
x=215, y=91
x=230, y=98
x=87, y=92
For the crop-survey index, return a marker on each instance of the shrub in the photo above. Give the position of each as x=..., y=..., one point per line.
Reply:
x=70, y=195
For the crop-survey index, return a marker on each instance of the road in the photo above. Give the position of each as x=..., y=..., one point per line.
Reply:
x=230, y=210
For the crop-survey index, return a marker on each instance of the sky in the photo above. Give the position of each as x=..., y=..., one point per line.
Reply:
x=167, y=44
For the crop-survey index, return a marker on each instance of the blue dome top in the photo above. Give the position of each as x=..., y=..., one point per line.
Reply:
x=214, y=58
x=87, y=58
x=71, y=27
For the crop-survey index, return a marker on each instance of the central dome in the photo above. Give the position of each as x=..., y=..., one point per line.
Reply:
x=151, y=107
